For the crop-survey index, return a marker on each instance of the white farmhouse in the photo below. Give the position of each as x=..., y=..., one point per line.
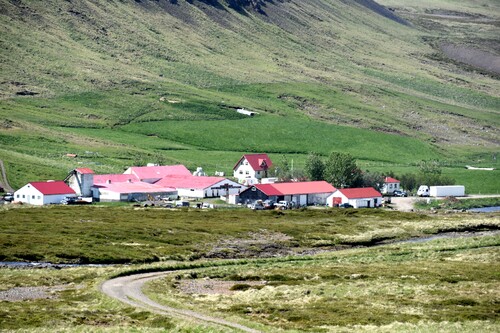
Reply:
x=44, y=193
x=252, y=166
x=390, y=185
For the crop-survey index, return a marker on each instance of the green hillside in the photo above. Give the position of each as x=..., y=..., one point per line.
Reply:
x=129, y=82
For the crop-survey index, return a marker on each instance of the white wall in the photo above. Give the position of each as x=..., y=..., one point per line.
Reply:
x=29, y=194
x=244, y=170
x=56, y=198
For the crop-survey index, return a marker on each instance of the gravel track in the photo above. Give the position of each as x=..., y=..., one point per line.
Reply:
x=128, y=289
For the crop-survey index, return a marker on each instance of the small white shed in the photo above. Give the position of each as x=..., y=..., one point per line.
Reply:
x=357, y=197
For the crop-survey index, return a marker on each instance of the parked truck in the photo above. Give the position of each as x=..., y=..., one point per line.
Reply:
x=441, y=191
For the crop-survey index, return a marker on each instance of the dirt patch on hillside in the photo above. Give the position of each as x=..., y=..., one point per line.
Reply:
x=472, y=56
x=260, y=244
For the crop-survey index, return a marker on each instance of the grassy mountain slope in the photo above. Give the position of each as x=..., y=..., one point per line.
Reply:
x=127, y=82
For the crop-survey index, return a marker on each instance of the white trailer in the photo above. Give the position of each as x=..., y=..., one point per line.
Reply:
x=447, y=191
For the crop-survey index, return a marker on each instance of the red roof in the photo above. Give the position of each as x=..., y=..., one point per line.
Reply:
x=84, y=171
x=195, y=182
x=391, y=180
x=294, y=188
x=114, y=178
x=137, y=187
x=258, y=162
x=358, y=193
x=52, y=187
x=157, y=172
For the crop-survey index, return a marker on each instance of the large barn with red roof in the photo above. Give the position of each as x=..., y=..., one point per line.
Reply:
x=44, y=193
x=302, y=193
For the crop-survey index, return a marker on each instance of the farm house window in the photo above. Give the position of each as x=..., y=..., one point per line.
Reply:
x=39, y=197
x=32, y=197
x=247, y=172
x=24, y=196
x=241, y=172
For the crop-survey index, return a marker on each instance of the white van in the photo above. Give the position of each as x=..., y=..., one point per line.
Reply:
x=423, y=191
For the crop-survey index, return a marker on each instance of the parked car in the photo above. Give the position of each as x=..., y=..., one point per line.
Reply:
x=268, y=204
x=346, y=205
x=182, y=204
x=257, y=206
x=399, y=193
x=8, y=197
x=283, y=204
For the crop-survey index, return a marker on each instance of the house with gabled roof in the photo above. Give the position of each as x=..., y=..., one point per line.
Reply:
x=44, y=193
x=390, y=185
x=302, y=193
x=356, y=197
x=252, y=166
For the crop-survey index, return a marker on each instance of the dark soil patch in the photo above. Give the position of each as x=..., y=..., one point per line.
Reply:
x=472, y=56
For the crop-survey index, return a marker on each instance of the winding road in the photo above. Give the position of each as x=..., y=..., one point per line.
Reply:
x=128, y=289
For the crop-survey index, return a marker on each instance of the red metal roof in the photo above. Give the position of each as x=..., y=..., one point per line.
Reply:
x=137, y=187
x=294, y=188
x=391, y=180
x=358, y=193
x=258, y=162
x=157, y=172
x=52, y=187
x=84, y=171
x=268, y=189
x=114, y=178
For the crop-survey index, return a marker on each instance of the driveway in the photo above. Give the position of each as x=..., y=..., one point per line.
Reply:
x=128, y=289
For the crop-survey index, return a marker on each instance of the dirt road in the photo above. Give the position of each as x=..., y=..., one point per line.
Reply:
x=128, y=289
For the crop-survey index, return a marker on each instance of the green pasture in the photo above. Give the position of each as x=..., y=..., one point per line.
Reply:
x=282, y=134
x=105, y=234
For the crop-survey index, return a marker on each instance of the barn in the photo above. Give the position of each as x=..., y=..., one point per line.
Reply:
x=356, y=197
x=202, y=186
x=127, y=187
x=302, y=193
x=44, y=193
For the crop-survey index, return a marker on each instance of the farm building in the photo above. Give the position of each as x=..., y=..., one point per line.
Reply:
x=143, y=183
x=390, y=185
x=356, y=197
x=44, y=193
x=81, y=181
x=252, y=167
x=202, y=186
x=130, y=190
x=152, y=174
x=302, y=193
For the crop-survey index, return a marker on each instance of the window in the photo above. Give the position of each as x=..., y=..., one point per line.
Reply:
x=32, y=197
x=247, y=172
x=241, y=172
x=39, y=197
x=24, y=196
x=17, y=196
